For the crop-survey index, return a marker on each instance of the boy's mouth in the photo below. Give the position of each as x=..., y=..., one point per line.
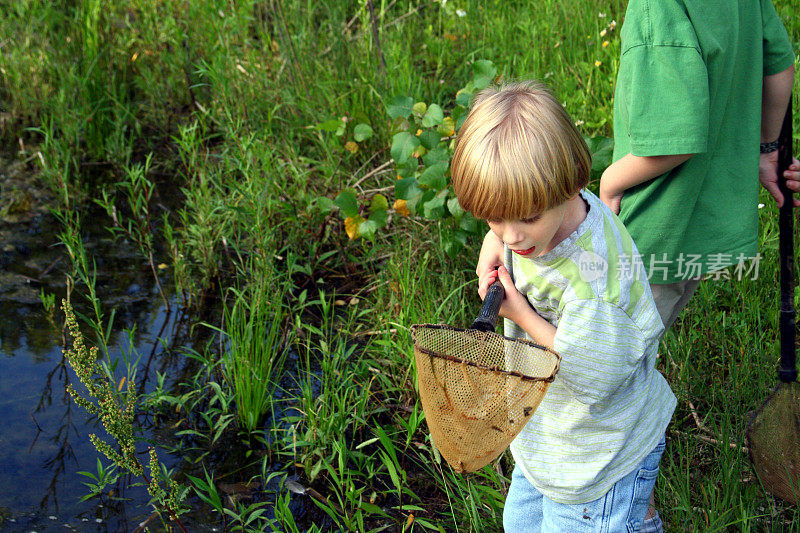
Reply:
x=525, y=252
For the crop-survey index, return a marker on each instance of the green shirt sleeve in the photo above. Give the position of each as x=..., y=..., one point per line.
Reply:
x=664, y=89
x=778, y=53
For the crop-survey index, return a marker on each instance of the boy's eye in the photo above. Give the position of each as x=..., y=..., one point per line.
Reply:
x=531, y=220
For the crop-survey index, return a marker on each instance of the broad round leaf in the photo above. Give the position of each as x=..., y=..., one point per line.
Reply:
x=379, y=201
x=430, y=139
x=367, y=229
x=434, y=177
x=352, y=225
x=419, y=109
x=433, y=117
x=401, y=208
x=437, y=155
x=403, y=145
x=362, y=132
x=455, y=208
x=406, y=188
x=379, y=217
x=347, y=202
x=400, y=107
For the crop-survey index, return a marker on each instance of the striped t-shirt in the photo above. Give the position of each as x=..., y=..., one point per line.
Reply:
x=608, y=406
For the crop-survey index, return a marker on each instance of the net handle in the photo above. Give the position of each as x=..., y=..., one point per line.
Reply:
x=487, y=318
x=787, y=372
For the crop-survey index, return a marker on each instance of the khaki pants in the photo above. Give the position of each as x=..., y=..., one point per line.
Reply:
x=671, y=298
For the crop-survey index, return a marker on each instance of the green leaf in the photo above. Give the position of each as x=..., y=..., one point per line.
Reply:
x=407, y=169
x=434, y=209
x=400, y=106
x=406, y=189
x=330, y=125
x=433, y=117
x=368, y=228
x=419, y=109
x=437, y=155
x=362, y=132
x=470, y=224
x=430, y=139
x=347, y=202
x=602, y=150
x=403, y=145
x=324, y=204
x=463, y=98
x=484, y=73
x=378, y=202
x=434, y=177
x=371, y=508
x=455, y=208
x=379, y=217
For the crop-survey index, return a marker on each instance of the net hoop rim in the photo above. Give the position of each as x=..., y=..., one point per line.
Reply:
x=524, y=377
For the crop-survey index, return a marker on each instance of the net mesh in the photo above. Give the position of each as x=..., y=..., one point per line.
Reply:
x=774, y=440
x=478, y=389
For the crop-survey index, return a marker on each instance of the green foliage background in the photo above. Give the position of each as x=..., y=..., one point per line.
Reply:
x=306, y=144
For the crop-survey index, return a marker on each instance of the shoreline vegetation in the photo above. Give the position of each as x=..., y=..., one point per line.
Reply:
x=282, y=168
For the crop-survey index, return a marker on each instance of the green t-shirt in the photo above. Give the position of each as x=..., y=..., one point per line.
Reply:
x=689, y=82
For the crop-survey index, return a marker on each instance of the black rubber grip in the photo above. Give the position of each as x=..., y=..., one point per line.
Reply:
x=487, y=318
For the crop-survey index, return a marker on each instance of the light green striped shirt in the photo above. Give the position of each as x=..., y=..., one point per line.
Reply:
x=608, y=406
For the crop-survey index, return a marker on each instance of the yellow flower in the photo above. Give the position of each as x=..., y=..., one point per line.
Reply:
x=603, y=32
x=605, y=43
x=419, y=132
x=598, y=63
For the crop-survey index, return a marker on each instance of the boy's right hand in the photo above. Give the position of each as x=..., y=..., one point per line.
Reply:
x=490, y=258
x=514, y=305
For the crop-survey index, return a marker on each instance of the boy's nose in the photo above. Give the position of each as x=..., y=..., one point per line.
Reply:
x=511, y=234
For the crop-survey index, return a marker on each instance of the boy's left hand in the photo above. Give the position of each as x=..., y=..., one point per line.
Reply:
x=768, y=176
x=514, y=305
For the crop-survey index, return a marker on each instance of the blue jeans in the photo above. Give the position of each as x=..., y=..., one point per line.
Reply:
x=621, y=509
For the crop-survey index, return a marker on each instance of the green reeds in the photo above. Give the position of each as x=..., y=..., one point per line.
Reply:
x=255, y=351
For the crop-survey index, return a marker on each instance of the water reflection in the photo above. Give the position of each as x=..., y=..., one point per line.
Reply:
x=43, y=436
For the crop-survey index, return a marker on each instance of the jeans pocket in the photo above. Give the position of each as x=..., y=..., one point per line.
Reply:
x=643, y=487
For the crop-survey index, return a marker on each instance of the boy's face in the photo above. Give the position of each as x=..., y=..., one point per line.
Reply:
x=532, y=236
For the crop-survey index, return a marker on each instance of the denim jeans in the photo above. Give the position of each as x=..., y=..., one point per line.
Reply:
x=621, y=509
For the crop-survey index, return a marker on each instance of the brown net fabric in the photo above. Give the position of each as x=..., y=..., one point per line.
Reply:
x=774, y=440
x=478, y=389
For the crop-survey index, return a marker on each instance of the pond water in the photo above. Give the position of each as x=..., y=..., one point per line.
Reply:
x=44, y=435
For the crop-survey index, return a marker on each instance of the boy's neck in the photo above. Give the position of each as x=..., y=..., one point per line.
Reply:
x=575, y=213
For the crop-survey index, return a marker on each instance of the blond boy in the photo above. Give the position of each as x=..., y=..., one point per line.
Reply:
x=588, y=459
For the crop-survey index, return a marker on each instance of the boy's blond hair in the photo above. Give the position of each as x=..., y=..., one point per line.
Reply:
x=517, y=154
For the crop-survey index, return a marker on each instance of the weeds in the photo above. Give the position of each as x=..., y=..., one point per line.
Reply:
x=266, y=117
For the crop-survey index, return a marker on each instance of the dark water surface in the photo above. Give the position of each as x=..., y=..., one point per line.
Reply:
x=44, y=436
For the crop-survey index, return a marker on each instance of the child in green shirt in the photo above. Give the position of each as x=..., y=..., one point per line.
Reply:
x=699, y=84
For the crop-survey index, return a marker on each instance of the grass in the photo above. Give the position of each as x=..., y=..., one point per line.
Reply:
x=229, y=99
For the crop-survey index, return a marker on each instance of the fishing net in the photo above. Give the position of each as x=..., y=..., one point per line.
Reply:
x=774, y=441
x=478, y=389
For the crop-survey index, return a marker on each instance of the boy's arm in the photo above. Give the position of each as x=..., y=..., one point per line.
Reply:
x=632, y=170
x=515, y=307
x=777, y=90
